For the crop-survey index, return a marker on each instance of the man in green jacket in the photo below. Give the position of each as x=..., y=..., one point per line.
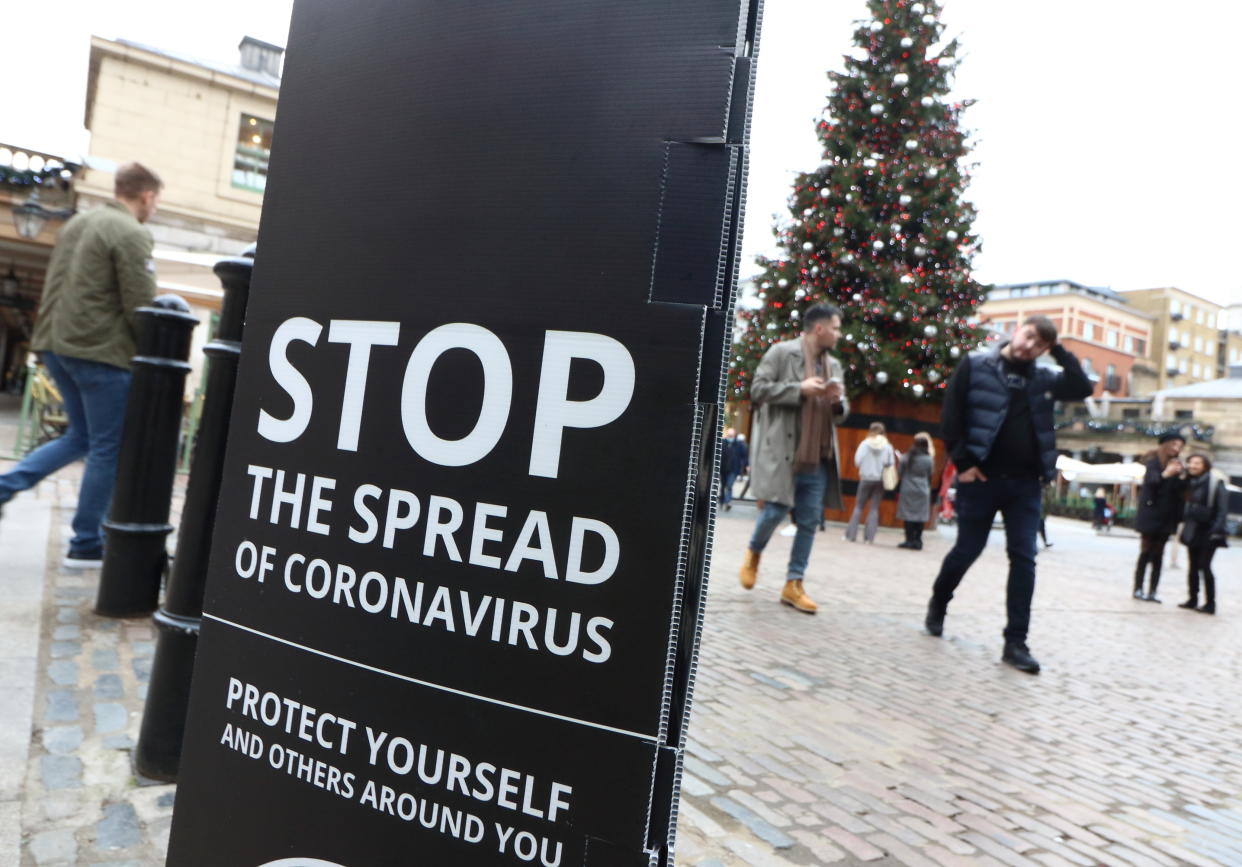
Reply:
x=101, y=272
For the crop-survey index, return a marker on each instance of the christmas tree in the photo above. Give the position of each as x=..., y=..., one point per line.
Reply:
x=880, y=228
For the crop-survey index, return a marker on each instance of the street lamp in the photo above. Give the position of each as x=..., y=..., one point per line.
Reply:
x=30, y=217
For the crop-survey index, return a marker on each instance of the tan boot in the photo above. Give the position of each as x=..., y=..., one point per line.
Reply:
x=794, y=595
x=750, y=569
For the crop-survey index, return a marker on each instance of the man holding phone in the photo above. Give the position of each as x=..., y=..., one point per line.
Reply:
x=997, y=424
x=799, y=397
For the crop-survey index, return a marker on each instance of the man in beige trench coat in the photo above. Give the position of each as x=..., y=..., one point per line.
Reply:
x=799, y=400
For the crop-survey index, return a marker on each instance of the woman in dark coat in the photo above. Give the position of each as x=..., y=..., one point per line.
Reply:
x=1160, y=501
x=914, y=504
x=1207, y=508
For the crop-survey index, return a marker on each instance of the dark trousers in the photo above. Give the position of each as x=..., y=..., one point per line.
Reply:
x=914, y=532
x=977, y=504
x=1151, y=550
x=1201, y=566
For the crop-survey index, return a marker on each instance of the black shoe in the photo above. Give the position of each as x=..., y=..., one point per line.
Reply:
x=934, y=621
x=84, y=558
x=1019, y=657
x=1048, y=544
x=1152, y=597
x=1192, y=604
x=916, y=546
x=1209, y=608
x=906, y=544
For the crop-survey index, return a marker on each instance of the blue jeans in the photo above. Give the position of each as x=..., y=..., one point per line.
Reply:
x=726, y=487
x=808, y=509
x=94, y=395
x=977, y=504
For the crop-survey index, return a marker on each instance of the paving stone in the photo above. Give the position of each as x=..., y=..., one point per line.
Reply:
x=64, y=649
x=142, y=668
x=105, y=660
x=117, y=742
x=118, y=829
x=54, y=847
x=61, y=772
x=62, y=740
x=762, y=829
x=109, y=686
x=110, y=717
x=67, y=615
x=67, y=633
x=63, y=672
x=62, y=706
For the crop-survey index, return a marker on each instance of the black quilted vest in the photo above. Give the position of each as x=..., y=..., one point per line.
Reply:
x=989, y=401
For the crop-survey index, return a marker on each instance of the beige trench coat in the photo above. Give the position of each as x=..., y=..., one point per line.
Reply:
x=776, y=394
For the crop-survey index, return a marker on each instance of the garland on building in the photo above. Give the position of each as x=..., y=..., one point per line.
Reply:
x=880, y=228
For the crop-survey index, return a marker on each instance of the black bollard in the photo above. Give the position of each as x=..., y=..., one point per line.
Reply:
x=158, y=752
x=137, y=523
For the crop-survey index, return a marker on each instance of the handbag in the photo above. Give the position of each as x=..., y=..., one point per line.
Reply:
x=888, y=476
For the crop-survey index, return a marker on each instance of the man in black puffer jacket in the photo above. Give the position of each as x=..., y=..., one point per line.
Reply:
x=997, y=424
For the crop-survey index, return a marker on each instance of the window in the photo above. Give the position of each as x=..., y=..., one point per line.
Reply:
x=1183, y=414
x=1111, y=370
x=1129, y=343
x=1129, y=413
x=1198, y=344
x=1140, y=346
x=1197, y=370
x=1111, y=338
x=254, y=149
x=1175, y=307
x=1182, y=366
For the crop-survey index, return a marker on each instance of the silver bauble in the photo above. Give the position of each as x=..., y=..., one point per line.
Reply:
x=825, y=193
x=782, y=282
x=857, y=297
x=901, y=79
x=929, y=19
x=877, y=108
x=920, y=252
x=898, y=316
x=951, y=235
x=907, y=42
x=905, y=198
x=877, y=26
x=814, y=270
x=838, y=231
x=927, y=102
x=933, y=375
x=881, y=377
x=918, y=389
x=911, y=144
x=869, y=162
x=808, y=246
x=932, y=172
x=955, y=352
x=918, y=8
x=929, y=330
x=877, y=245
x=907, y=278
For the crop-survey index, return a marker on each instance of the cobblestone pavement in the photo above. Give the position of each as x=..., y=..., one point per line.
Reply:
x=852, y=737
x=844, y=738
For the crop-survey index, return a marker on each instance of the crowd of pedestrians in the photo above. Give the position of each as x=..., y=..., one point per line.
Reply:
x=997, y=426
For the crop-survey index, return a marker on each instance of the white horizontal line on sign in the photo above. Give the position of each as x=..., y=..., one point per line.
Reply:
x=642, y=737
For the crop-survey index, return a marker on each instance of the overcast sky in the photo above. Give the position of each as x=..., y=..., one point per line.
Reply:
x=1107, y=132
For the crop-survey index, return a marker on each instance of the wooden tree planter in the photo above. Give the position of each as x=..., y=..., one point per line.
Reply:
x=902, y=420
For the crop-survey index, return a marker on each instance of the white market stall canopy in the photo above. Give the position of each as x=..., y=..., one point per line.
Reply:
x=1100, y=474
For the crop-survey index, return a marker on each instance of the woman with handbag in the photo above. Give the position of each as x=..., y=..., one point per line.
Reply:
x=1203, y=530
x=874, y=458
x=914, y=503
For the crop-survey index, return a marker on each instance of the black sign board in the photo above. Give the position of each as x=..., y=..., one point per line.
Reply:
x=455, y=580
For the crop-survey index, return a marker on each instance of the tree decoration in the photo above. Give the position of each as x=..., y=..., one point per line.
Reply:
x=880, y=228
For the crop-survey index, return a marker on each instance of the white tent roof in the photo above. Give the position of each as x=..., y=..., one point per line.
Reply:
x=1100, y=474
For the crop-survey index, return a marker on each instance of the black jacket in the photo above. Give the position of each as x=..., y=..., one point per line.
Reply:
x=1160, y=501
x=1207, y=508
x=976, y=401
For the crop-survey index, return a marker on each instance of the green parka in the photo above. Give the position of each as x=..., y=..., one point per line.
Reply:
x=101, y=271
